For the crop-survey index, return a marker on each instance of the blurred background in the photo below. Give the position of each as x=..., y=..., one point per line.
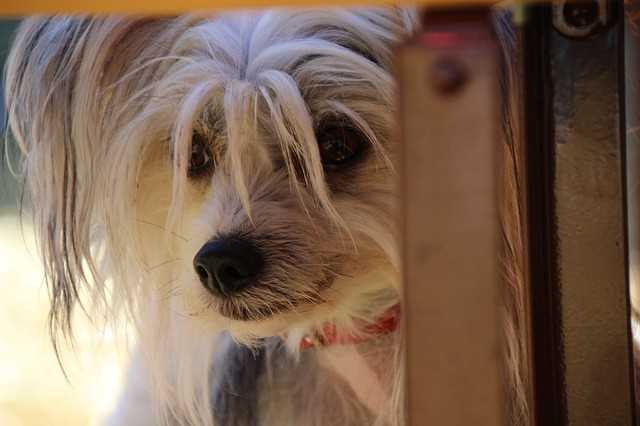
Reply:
x=33, y=389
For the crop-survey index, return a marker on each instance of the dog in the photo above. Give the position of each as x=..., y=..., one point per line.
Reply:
x=226, y=185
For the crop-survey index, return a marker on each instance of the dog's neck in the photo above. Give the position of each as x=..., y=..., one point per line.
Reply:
x=362, y=359
x=331, y=334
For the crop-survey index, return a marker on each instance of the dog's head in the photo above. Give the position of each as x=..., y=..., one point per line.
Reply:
x=236, y=170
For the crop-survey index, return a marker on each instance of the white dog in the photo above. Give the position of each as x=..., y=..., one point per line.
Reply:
x=226, y=185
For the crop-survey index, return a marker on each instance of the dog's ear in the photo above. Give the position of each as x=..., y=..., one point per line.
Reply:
x=60, y=112
x=40, y=79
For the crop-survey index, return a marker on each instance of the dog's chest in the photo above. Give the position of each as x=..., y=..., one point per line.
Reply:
x=267, y=387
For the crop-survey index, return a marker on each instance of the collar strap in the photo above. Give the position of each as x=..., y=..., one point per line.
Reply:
x=330, y=335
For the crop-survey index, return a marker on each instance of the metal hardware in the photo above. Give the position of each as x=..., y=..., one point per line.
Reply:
x=581, y=18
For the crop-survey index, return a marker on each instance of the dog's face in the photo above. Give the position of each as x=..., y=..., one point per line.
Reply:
x=282, y=135
x=249, y=154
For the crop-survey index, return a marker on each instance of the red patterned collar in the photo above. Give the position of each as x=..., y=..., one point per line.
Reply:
x=330, y=335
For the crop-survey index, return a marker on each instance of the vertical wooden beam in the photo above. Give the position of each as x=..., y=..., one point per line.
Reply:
x=450, y=121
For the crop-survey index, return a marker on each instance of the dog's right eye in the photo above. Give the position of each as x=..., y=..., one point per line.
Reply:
x=200, y=161
x=339, y=145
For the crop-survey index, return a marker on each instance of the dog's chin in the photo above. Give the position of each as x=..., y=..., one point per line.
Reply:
x=258, y=306
x=247, y=330
x=234, y=308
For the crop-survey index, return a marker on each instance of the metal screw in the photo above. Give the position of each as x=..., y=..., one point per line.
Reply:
x=448, y=75
x=581, y=14
x=580, y=18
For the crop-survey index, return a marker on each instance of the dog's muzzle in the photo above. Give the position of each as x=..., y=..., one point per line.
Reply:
x=227, y=266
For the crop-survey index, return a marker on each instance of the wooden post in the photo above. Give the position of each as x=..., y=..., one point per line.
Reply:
x=450, y=121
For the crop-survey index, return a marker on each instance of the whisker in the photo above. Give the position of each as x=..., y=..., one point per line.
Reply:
x=174, y=291
x=166, y=262
x=168, y=282
x=164, y=229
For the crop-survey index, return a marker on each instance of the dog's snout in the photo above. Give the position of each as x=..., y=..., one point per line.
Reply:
x=227, y=266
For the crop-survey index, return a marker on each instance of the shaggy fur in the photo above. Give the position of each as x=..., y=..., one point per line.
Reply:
x=106, y=111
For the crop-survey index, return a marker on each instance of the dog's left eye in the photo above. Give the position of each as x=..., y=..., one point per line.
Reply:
x=339, y=145
x=200, y=159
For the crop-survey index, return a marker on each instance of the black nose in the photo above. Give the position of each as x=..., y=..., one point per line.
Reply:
x=228, y=265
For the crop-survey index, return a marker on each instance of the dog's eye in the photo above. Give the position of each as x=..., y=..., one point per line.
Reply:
x=339, y=145
x=200, y=160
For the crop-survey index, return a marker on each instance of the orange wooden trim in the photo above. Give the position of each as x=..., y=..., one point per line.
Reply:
x=27, y=7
